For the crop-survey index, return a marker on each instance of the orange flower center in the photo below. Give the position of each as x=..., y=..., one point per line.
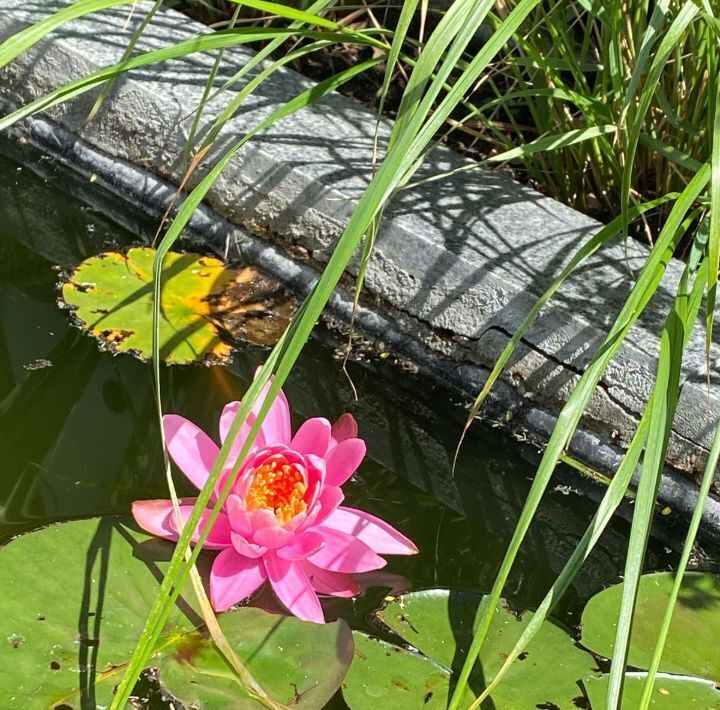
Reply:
x=280, y=487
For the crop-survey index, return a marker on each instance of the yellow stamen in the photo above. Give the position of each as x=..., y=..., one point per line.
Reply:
x=278, y=486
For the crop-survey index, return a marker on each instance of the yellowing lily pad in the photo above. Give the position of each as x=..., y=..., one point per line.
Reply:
x=112, y=296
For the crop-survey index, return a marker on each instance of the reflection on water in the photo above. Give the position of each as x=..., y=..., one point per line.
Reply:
x=79, y=431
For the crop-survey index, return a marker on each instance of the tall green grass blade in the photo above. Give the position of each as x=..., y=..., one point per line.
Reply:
x=404, y=154
x=650, y=37
x=611, y=500
x=617, y=489
x=206, y=43
x=415, y=102
x=667, y=45
x=571, y=413
x=209, y=83
x=714, y=241
x=23, y=40
x=400, y=33
x=171, y=585
x=467, y=79
x=403, y=24
x=662, y=412
x=134, y=39
x=703, y=493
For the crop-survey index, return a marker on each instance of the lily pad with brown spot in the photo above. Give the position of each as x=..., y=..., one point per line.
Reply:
x=111, y=295
x=253, y=308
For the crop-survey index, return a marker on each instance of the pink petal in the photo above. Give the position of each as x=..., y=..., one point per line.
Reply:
x=331, y=583
x=344, y=553
x=245, y=548
x=312, y=437
x=344, y=428
x=234, y=578
x=293, y=588
x=240, y=519
x=263, y=518
x=275, y=428
x=328, y=501
x=158, y=518
x=343, y=461
x=273, y=536
x=302, y=546
x=190, y=447
x=153, y=516
x=375, y=533
x=226, y=419
x=315, y=478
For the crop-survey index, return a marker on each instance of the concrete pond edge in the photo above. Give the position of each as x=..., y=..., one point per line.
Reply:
x=150, y=188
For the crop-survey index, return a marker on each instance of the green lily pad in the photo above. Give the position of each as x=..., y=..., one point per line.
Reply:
x=691, y=647
x=111, y=295
x=299, y=663
x=384, y=675
x=74, y=598
x=439, y=622
x=670, y=693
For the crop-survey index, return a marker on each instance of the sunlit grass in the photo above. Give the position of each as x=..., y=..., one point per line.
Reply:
x=610, y=107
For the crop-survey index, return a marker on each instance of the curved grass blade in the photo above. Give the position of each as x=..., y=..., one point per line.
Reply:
x=205, y=43
x=703, y=493
x=714, y=241
x=404, y=154
x=264, y=52
x=604, y=235
x=291, y=13
x=171, y=586
x=234, y=105
x=571, y=413
x=209, y=83
x=650, y=37
x=20, y=41
x=540, y=145
x=582, y=101
x=667, y=46
x=670, y=152
x=614, y=495
x=126, y=55
x=662, y=413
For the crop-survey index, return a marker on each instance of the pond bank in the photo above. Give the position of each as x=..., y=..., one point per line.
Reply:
x=457, y=263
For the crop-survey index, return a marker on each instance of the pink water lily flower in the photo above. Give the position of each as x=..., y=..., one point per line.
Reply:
x=283, y=521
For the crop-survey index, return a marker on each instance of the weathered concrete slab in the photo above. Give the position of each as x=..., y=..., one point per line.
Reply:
x=457, y=264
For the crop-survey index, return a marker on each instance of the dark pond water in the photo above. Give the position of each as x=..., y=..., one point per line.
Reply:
x=78, y=434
